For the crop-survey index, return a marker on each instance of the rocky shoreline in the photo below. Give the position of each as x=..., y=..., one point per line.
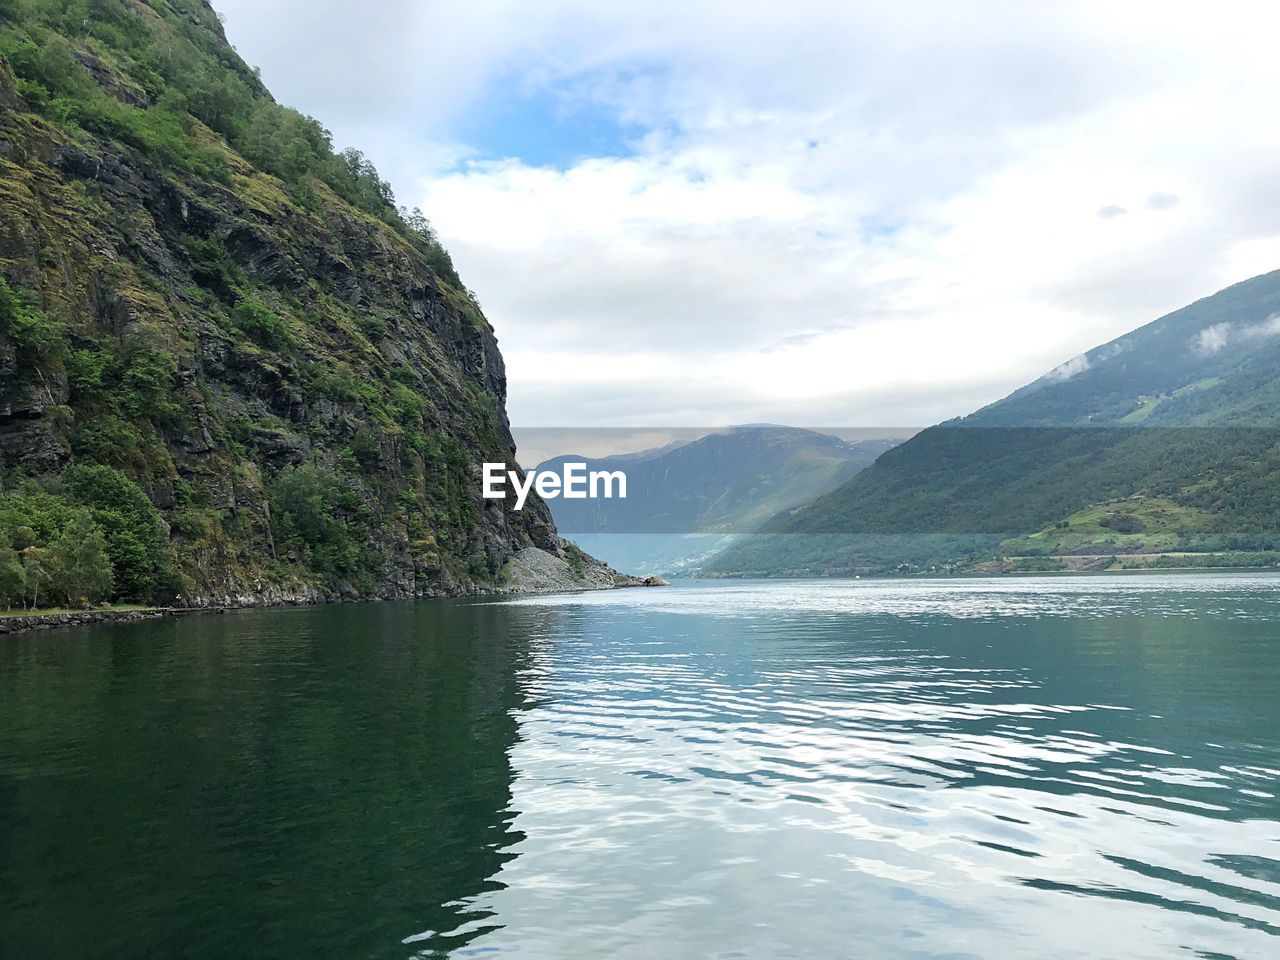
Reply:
x=20, y=623
x=537, y=574
x=529, y=571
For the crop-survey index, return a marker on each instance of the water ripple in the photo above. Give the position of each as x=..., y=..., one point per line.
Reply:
x=1054, y=767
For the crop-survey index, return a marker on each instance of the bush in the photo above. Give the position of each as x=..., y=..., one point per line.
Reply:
x=148, y=368
x=318, y=520
x=89, y=372
x=252, y=318
x=1122, y=523
x=107, y=440
x=37, y=337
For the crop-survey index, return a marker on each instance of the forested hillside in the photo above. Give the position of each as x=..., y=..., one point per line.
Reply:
x=1164, y=440
x=223, y=348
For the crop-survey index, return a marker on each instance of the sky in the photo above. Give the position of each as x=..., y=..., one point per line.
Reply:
x=849, y=214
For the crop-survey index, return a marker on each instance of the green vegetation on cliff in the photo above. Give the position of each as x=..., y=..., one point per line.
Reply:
x=221, y=338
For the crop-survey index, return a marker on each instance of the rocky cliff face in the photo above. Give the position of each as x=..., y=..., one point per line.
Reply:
x=205, y=300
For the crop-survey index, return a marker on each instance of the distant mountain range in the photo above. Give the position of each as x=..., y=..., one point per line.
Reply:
x=686, y=500
x=1159, y=448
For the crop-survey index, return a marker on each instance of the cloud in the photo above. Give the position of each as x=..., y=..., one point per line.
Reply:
x=1162, y=201
x=1072, y=368
x=1214, y=338
x=810, y=212
x=1156, y=201
x=1267, y=328
x=1079, y=364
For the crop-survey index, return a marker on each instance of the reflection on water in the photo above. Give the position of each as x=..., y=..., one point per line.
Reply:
x=1046, y=767
x=263, y=784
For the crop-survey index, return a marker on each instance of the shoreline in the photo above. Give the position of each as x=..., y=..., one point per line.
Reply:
x=18, y=622
x=13, y=623
x=988, y=574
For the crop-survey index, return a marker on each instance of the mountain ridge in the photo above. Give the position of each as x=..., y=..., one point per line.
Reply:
x=687, y=499
x=1183, y=412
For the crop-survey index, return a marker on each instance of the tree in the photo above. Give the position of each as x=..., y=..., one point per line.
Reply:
x=428, y=243
x=13, y=577
x=80, y=568
x=136, y=535
x=36, y=562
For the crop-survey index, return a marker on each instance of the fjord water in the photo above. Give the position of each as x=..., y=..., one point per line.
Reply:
x=1039, y=767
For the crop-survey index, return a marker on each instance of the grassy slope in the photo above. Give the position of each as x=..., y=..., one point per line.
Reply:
x=1147, y=525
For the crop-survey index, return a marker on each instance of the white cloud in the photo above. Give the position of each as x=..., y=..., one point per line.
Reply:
x=1072, y=368
x=1214, y=338
x=1267, y=328
x=849, y=213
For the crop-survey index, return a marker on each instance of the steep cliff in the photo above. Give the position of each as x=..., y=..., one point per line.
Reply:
x=224, y=340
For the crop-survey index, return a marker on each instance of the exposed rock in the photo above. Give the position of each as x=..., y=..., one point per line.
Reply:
x=227, y=327
x=112, y=80
x=534, y=570
x=18, y=623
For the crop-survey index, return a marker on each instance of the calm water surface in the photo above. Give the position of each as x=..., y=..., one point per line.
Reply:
x=1037, y=768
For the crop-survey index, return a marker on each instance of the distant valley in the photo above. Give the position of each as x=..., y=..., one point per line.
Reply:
x=689, y=499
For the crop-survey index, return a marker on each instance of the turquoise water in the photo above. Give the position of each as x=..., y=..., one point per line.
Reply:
x=1039, y=767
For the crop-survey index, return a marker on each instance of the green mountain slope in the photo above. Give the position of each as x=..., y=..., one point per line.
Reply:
x=688, y=500
x=1184, y=411
x=221, y=338
x=728, y=481
x=1215, y=362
